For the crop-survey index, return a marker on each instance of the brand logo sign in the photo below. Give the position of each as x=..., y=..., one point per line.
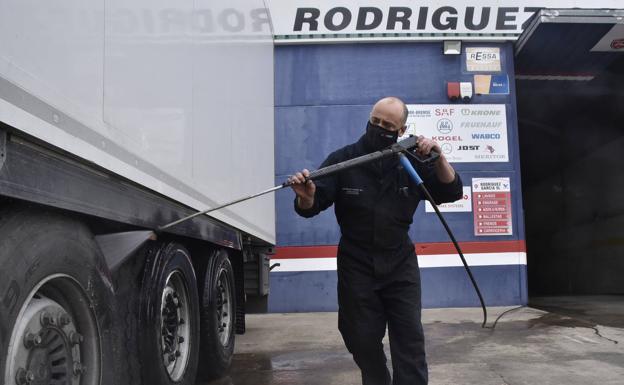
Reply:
x=480, y=136
x=447, y=138
x=468, y=148
x=420, y=113
x=465, y=133
x=445, y=126
x=483, y=59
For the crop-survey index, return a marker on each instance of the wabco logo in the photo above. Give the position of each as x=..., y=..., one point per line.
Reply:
x=485, y=136
x=617, y=44
x=444, y=126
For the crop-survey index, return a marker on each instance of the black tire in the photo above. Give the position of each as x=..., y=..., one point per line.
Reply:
x=53, y=270
x=168, y=270
x=217, y=348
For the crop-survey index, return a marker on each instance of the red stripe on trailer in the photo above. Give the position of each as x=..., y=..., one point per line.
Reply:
x=329, y=251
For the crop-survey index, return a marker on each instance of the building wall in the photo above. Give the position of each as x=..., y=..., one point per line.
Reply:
x=323, y=96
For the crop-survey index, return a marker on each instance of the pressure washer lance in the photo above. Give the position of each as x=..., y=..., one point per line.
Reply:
x=118, y=247
x=396, y=148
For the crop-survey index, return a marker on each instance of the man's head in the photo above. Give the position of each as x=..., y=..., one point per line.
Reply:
x=391, y=114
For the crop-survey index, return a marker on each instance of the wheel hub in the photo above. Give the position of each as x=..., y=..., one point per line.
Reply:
x=224, y=308
x=174, y=328
x=49, y=349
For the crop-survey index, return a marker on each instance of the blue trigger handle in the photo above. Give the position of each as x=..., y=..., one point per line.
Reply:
x=410, y=169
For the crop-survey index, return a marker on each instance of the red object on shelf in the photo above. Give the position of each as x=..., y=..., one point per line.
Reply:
x=452, y=89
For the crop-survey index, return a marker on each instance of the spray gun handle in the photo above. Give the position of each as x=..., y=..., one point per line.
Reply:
x=397, y=148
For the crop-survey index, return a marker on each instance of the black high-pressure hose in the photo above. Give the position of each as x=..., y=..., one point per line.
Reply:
x=412, y=172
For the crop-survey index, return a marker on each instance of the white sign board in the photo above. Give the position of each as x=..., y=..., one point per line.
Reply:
x=465, y=132
x=483, y=59
x=491, y=198
x=320, y=20
x=462, y=205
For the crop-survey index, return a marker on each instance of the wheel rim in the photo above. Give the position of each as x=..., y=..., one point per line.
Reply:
x=224, y=307
x=175, y=331
x=55, y=339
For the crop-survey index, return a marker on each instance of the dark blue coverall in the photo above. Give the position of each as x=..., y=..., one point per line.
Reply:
x=378, y=275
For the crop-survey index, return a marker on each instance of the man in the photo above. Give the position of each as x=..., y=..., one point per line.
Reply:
x=378, y=276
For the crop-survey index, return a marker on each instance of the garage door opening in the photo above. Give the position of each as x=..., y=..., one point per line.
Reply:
x=570, y=101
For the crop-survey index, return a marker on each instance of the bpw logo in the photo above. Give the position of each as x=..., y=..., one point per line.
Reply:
x=444, y=126
x=485, y=136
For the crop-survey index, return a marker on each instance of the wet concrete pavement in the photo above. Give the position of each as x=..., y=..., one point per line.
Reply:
x=528, y=346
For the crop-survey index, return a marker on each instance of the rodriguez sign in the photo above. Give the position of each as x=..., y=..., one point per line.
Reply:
x=307, y=20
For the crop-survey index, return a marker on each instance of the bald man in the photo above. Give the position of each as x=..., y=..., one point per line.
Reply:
x=378, y=275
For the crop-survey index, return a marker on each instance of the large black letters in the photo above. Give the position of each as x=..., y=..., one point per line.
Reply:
x=307, y=15
x=394, y=18
x=502, y=18
x=362, y=15
x=329, y=18
x=451, y=21
x=483, y=21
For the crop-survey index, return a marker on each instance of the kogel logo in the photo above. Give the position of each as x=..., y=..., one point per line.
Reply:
x=485, y=136
x=447, y=138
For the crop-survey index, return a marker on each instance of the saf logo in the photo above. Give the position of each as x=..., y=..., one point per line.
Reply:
x=444, y=111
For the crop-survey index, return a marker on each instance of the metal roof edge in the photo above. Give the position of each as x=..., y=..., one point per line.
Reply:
x=572, y=15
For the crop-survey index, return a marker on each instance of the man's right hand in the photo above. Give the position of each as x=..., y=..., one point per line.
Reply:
x=304, y=190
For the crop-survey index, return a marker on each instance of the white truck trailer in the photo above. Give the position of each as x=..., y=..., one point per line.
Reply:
x=118, y=116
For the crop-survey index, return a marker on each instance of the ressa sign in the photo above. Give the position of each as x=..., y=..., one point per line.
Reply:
x=396, y=19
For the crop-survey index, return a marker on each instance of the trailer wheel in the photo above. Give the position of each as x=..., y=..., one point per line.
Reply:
x=218, y=314
x=169, y=318
x=57, y=306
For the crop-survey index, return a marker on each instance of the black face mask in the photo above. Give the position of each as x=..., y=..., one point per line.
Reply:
x=378, y=138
